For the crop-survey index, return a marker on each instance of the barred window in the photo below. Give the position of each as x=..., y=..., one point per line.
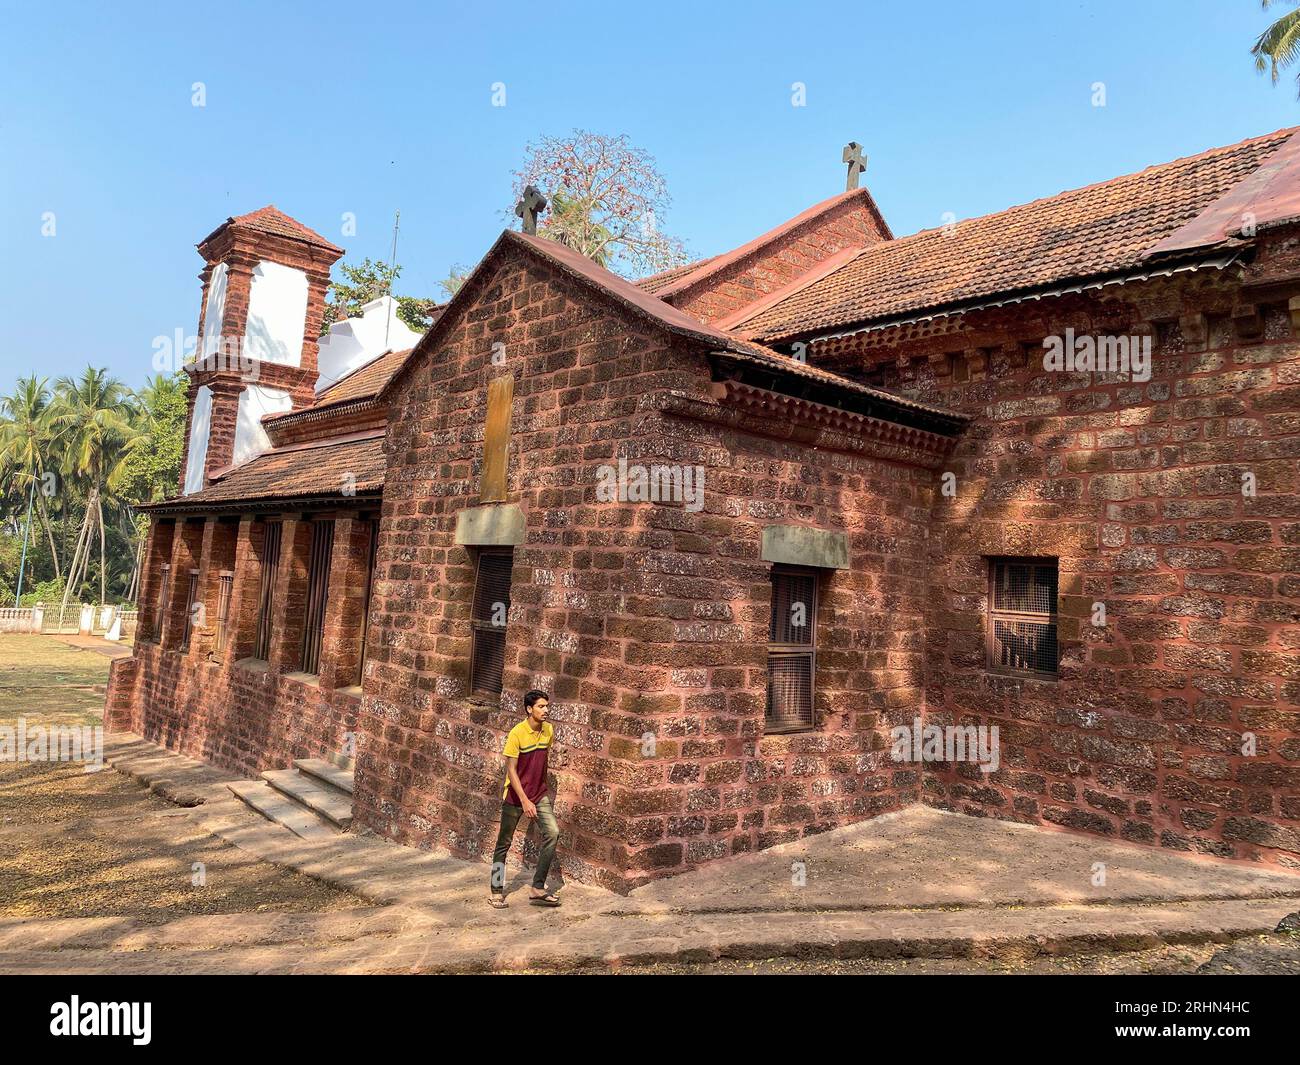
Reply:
x=490, y=613
x=160, y=601
x=318, y=586
x=225, y=589
x=1022, y=615
x=791, y=654
x=266, y=592
x=365, y=599
x=191, y=603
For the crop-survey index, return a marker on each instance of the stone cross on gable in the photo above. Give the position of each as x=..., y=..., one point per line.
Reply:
x=857, y=164
x=528, y=208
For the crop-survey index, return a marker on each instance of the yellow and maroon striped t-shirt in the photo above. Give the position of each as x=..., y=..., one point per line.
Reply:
x=532, y=748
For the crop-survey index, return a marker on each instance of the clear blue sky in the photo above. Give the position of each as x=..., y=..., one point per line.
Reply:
x=322, y=108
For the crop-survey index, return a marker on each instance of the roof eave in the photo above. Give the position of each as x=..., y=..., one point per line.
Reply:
x=1223, y=257
x=257, y=504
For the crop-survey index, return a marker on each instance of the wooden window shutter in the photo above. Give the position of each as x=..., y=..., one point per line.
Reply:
x=160, y=604
x=266, y=591
x=225, y=588
x=191, y=596
x=366, y=597
x=318, y=586
x=490, y=613
x=1021, y=624
x=791, y=655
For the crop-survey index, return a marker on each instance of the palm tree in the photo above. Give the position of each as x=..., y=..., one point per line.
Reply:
x=92, y=418
x=570, y=222
x=1278, y=45
x=26, y=447
x=153, y=463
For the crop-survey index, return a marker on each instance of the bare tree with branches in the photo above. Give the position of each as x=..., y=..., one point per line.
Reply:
x=607, y=199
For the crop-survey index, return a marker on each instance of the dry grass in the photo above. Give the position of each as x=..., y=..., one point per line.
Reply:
x=49, y=682
x=79, y=844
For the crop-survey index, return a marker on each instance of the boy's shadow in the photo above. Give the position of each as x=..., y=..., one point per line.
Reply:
x=523, y=877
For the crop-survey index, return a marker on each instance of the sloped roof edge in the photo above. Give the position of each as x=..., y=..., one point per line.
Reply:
x=285, y=226
x=577, y=266
x=719, y=263
x=1271, y=194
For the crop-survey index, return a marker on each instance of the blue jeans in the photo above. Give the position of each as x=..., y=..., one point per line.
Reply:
x=510, y=816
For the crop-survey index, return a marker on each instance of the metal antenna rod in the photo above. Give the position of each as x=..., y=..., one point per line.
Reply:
x=392, y=265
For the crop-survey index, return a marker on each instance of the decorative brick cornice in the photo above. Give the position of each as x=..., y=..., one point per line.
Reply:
x=954, y=326
x=745, y=408
x=328, y=410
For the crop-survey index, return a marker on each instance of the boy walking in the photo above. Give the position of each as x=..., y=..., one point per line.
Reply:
x=527, y=753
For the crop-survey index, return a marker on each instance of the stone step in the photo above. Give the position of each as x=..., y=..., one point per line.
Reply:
x=327, y=773
x=278, y=807
x=343, y=761
x=323, y=799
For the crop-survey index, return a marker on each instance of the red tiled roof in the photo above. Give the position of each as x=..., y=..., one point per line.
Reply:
x=270, y=219
x=1094, y=231
x=624, y=292
x=709, y=267
x=655, y=282
x=366, y=381
x=1269, y=196
x=320, y=469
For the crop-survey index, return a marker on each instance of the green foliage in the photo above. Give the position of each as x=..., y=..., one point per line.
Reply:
x=415, y=312
x=569, y=221
x=11, y=546
x=454, y=279
x=1279, y=45
x=47, y=592
x=153, y=462
x=91, y=447
x=607, y=200
x=368, y=281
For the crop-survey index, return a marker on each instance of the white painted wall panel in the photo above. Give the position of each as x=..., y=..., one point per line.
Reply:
x=254, y=402
x=215, y=309
x=200, y=425
x=277, y=315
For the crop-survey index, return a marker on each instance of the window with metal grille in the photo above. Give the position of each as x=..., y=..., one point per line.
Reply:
x=266, y=592
x=491, y=610
x=160, y=601
x=318, y=586
x=791, y=652
x=225, y=589
x=191, y=602
x=1022, y=615
x=365, y=599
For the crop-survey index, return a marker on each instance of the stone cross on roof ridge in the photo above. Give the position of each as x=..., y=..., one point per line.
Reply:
x=528, y=208
x=857, y=163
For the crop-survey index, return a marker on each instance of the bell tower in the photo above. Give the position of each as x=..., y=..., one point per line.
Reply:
x=264, y=286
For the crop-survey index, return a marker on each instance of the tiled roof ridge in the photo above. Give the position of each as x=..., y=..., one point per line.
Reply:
x=1006, y=217
x=285, y=226
x=790, y=225
x=671, y=273
x=823, y=269
x=1182, y=159
x=582, y=269
x=356, y=370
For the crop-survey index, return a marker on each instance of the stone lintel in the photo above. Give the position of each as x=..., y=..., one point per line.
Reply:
x=797, y=545
x=496, y=525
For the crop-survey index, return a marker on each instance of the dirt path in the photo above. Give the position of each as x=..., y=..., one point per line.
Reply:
x=96, y=844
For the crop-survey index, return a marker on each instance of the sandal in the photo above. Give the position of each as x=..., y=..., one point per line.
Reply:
x=543, y=900
x=499, y=902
